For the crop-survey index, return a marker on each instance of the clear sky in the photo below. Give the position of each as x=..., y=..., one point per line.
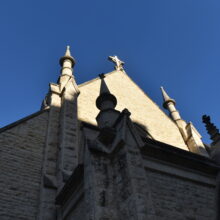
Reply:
x=170, y=43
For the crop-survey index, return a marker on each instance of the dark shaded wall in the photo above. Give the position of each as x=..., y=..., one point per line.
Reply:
x=21, y=158
x=180, y=193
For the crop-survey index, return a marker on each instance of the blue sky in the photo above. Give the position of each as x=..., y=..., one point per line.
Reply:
x=171, y=43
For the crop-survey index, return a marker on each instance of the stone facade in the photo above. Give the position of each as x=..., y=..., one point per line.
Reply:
x=21, y=158
x=178, y=198
x=94, y=152
x=143, y=110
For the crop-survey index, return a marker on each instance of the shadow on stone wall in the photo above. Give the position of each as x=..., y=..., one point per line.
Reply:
x=143, y=130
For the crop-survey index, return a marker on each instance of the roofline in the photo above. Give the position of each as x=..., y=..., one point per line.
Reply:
x=22, y=120
x=97, y=78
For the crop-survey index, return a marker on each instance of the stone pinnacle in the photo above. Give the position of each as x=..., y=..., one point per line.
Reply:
x=166, y=98
x=67, y=56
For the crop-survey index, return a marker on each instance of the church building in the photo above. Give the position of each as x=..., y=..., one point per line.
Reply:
x=103, y=150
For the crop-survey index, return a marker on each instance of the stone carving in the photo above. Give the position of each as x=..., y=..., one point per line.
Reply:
x=118, y=63
x=98, y=146
x=211, y=128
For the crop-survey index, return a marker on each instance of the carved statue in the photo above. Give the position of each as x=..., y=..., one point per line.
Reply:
x=118, y=63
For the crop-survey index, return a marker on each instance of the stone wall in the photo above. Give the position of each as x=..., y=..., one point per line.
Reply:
x=21, y=156
x=176, y=198
x=180, y=194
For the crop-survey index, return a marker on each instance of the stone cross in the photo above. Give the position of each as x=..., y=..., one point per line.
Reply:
x=118, y=63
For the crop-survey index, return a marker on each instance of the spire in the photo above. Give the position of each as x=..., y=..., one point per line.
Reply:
x=106, y=103
x=105, y=100
x=67, y=62
x=190, y=135
x=169, y=104
x=68, y=51
x=68, y=57
x=166, y=98
x=212, y=130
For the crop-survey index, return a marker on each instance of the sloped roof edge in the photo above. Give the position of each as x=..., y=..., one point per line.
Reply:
x=20, y=121
x=106, y=74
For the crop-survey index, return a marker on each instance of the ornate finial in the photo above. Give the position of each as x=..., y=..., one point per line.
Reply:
x=67, y=56
x=212, y=130
x=68, y=51
x=166, y=98
x=106, y=103
x=102, y=76
x=118, y=63
x=105, y=96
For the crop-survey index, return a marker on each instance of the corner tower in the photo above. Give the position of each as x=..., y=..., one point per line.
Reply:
x=61, y=147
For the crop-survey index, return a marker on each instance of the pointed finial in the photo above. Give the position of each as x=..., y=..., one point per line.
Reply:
x=105, y=99
x=106, y=103
x=103, y=88
x=67, y=56
x=212, y=130
x=165, y=95
x=68, y=51
x=102, y=76
x=166, y=98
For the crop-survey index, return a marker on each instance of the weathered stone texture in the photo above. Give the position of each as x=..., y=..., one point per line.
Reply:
x=180, y=199
x=21, y=155
x=143, y=110
x=69, y=135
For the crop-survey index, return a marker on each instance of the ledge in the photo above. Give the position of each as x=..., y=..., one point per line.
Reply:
x=177, y=156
